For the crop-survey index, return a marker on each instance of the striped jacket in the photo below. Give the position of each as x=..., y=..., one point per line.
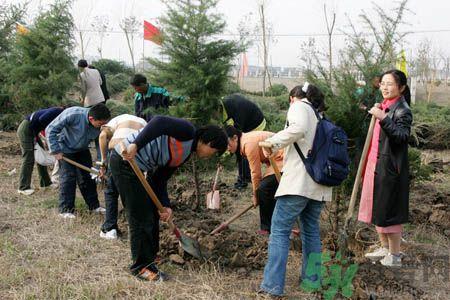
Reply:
x=164, y=144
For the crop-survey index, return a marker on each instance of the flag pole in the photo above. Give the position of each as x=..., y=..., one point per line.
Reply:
x=143, y=54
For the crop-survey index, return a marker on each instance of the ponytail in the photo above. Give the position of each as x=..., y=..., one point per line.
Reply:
x=310, y=92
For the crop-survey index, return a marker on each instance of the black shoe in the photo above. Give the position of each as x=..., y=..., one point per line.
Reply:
x=240, y=185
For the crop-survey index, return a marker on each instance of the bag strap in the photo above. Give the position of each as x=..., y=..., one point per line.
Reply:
x=315, y=110
x=299, y=151
x=297, y=147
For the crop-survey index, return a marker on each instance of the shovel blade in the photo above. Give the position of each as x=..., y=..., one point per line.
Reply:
x=213, y=200
x=190, y=246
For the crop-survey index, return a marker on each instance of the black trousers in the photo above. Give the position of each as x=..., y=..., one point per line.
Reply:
x=142, y=214
x=243, y=169
x=70, y=177
x=111, y=203
x=266, y=196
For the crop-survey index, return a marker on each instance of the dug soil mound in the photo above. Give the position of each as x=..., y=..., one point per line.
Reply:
x=230, y=249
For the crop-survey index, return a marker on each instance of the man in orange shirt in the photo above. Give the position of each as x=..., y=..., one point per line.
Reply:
x=264, y=185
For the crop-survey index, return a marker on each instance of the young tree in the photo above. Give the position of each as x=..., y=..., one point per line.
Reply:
x=129, y=26
x=9, y=16
x=330, y=29
x=264, y=35
x=101, y=26
x=40, y=69
x=196, y=62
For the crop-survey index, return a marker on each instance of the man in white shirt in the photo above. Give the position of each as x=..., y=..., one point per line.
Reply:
x=113, y=133
x=91, y=81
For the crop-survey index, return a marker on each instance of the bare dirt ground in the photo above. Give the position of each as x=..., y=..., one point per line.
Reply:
x=44, y=257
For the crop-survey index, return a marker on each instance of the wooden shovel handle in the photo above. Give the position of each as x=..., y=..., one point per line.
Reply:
x=216, y=178
x=236, y=216
x=153, y=196
x=268, y=145
x=275, y=169
x=146, y=185
x=144, y=182
x=83, y=167
x=232, y=219
x=362, y=161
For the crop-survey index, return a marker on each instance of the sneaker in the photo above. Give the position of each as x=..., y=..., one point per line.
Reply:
x=67, y=215
x=109, y=235
x=52, y=186
x=146, y=274
x=99, y=210
x=378, y=254
x=240, y=185
x=391, y=260
x=26, y=192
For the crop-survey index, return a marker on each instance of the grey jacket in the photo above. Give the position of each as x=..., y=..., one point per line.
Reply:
x=91, y=90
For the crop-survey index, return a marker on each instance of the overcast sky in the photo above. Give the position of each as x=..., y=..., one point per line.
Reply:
x=293, y=22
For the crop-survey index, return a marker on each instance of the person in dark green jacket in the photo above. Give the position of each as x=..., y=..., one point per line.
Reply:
x=148, y=97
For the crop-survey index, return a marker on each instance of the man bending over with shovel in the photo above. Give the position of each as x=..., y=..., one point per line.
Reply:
x=111, y=134
x=69, y=135
x=264, y=186
x=162, y=146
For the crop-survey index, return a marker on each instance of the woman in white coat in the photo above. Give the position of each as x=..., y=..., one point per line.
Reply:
x=297, y=195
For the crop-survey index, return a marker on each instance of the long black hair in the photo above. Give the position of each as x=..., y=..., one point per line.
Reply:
x=401, y=80
x=313, y=94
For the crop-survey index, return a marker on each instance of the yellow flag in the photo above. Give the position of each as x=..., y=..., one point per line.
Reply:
x=21, y=29
x=401, y=63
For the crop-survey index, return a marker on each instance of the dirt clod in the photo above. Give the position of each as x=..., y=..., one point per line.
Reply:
x=176, y=259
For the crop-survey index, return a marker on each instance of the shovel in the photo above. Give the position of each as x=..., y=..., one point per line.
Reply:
x=188, y=244
x=83, y=167
x=213, y=197
x=344, y=234
x=225, y=224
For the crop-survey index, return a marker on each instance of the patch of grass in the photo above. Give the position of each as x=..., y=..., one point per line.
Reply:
x=428, y=235
x=49, y=203
x=7, y=247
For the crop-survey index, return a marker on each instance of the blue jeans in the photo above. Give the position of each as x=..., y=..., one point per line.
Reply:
x=287, y=209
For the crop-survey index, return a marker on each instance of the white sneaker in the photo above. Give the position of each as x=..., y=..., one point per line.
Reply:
x=391, y=260
x=99, y=210
x=67, y=215
x=27, y=192
x=109, y=235
x=378, y=254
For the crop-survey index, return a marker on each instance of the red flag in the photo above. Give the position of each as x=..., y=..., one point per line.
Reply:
x=152, y=33
x=244, y=66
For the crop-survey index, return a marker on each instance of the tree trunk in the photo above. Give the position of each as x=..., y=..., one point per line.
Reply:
x=330, y=28
x=131, y=50
x=81, y=44
x=265, y=72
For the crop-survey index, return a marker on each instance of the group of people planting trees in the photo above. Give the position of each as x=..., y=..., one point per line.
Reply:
x=310, y=152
